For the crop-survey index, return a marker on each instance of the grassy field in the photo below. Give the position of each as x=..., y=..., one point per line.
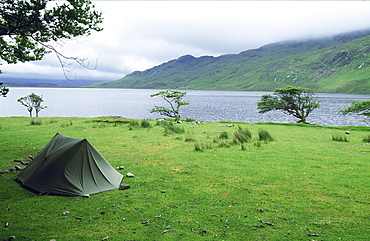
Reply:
x=196, y=182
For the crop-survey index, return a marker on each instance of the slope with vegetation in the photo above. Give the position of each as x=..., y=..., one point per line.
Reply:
x=337, y=64
x=214, y=181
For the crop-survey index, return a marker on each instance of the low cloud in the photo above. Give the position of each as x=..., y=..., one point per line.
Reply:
x=138, y=35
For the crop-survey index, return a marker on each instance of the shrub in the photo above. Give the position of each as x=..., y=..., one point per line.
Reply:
x=264, y=135
x=338, y=137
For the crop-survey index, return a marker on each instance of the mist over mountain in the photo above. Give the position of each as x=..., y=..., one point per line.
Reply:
x=339, y=63
x=33, y=82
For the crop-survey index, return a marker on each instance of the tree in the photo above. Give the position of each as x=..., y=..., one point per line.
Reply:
x=296, y=101
x=3, y=90
x=31, y=102
x=174, y=98
x=359, y=107
x=28, y=28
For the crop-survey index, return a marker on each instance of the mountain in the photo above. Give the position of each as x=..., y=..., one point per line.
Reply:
x=30, y=82
x=337, y=64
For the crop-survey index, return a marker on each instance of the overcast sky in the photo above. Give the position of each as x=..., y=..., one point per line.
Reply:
x=139, y=35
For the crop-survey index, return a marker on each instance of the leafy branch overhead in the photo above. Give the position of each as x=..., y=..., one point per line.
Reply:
x=296, y=101
x=174, y=98
x=28, y=27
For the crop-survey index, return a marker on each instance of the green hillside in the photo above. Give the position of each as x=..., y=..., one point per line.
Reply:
x=337, y=64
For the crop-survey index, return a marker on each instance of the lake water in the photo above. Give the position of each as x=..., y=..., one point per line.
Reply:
x=205, y=105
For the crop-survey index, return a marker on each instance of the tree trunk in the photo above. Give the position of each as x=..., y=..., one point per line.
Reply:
x=303, y=120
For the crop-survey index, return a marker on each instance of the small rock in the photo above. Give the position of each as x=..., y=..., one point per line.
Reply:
x=163, y=191
x=313, y=234
x=124, y=186
x=267, y=223
x=120, y=168
x=6, y=225
x=130, y=175
x=347, y=132
x=65, y=213
x=146, y=223
x=18, y=168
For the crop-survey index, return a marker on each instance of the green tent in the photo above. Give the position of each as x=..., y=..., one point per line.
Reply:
x=69, y=166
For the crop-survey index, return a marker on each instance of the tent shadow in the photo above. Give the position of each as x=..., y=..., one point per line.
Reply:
x=38, y=193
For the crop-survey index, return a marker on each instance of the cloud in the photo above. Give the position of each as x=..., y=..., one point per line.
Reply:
x=138, y=35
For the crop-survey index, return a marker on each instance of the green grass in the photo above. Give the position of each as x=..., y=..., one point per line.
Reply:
x=303, y=182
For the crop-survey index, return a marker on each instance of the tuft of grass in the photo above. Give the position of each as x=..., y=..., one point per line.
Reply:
x=99, y=125
x=189, y=139
x=242, y=135
x=243, y=147
x=36, y=122
x=366, y=139
x=257, y=143
x=189, y=120
x=207, y=145
x=339, y=137
x=134, y=123
x=203, y=146
x=223, y=136
x=197, y=147
x=264, y=135
x=223, y=143
x=66, y=124
x=145, y=123
x=171, y=128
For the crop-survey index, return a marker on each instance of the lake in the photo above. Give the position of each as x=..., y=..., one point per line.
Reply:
x=206, y=105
